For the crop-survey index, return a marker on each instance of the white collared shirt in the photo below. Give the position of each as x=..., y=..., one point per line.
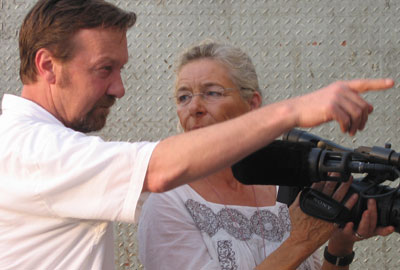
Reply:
x=60, y=188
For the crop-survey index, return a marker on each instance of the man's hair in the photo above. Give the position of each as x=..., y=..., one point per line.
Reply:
x=51, y=24
x=239, y=64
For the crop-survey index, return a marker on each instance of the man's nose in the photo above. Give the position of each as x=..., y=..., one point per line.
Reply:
x=117, y=88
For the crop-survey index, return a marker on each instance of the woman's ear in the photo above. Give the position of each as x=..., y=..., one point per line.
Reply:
x=255, y=100
x=45, y=65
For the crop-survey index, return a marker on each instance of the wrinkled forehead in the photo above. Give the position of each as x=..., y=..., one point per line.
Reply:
x=202, y=73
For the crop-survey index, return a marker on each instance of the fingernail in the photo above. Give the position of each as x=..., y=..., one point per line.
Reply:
x=388, y=81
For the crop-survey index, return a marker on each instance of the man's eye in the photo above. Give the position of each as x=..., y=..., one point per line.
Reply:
x=107, y=68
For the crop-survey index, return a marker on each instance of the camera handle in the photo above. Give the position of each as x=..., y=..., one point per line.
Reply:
x=319, y=205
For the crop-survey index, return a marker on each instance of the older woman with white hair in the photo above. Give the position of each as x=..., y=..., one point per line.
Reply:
x=219, y=223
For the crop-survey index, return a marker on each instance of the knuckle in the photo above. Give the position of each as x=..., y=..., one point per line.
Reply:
x=330, y=107
x=358, y=112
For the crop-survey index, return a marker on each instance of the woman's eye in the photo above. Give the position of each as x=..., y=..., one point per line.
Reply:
x=183, y=98
x=211, y=93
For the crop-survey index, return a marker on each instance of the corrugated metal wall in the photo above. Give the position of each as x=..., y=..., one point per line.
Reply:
x=297, y=46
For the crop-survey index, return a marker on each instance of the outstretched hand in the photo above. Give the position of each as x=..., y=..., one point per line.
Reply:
x=339, y=101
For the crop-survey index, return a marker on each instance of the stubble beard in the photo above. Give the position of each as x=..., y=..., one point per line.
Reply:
x=96, y=118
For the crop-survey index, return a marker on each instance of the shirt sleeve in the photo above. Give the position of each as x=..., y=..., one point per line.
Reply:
x=84, y=177
x=168, y=237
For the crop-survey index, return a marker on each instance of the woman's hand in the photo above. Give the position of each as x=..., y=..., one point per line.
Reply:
x=307, y=233
x=312, y=230
x=342, y=240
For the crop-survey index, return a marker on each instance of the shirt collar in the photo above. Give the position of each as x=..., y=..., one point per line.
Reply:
x=20, y=106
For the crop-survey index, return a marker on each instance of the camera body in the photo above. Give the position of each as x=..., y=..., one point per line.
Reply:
x=377, y=164
x=387, y=200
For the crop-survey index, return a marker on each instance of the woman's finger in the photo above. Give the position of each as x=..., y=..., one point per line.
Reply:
x=351, y=201
x=329, y=187
x=373, y=215
x=341, y=192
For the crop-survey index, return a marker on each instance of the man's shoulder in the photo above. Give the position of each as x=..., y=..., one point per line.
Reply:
x=20, y=112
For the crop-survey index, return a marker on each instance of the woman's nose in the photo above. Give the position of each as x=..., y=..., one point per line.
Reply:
x=196, y=105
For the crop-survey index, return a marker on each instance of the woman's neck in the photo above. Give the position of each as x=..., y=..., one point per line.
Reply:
x=223, y=188
x=224, y=179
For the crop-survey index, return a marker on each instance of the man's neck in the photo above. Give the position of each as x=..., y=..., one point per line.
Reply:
x=41, y=95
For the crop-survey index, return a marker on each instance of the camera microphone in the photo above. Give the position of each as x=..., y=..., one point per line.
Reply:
x=279, y=163
x=297, y=135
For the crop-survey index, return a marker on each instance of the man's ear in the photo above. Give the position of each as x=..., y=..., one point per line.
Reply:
x=255, y=100
x=45, y=65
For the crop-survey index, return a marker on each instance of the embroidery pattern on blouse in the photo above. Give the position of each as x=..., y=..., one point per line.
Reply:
x=235, y=223
x=203, y=216
x=238, y=225
x=226, y=255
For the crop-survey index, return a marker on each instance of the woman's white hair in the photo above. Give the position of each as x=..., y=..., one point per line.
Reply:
x=239, y=64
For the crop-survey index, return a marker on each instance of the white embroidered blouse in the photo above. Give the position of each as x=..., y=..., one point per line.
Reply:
x=180, y=230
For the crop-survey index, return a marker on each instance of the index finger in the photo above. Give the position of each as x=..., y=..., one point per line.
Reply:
x=364, y=85
x=341, y=192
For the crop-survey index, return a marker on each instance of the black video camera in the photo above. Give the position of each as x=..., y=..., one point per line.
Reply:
x=377, y=164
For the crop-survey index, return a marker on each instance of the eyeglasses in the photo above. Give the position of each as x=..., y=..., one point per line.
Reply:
x=210, y=94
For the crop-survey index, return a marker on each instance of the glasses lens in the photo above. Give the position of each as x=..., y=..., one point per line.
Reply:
x=213, y=93
x=183, y=97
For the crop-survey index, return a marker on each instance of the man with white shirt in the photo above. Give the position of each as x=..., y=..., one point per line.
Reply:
x=60, y=188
